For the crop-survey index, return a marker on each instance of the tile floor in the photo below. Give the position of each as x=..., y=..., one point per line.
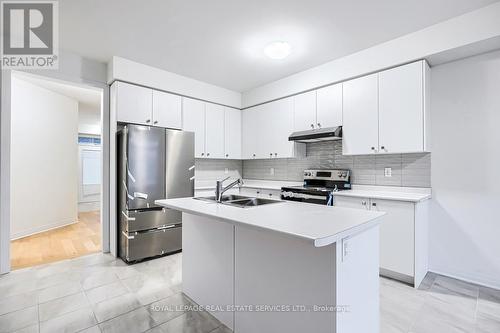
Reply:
x=98, y=293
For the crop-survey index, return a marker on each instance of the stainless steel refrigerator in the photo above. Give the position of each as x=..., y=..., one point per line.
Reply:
x=153, y=163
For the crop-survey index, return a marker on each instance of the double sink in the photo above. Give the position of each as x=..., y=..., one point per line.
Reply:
x=239, y=200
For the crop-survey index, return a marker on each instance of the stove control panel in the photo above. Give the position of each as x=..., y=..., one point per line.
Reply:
x=335, y=175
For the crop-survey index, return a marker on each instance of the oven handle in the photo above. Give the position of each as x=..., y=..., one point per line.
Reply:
x=301, y=195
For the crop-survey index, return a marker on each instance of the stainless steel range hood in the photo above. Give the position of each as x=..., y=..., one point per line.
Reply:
x=316, y=135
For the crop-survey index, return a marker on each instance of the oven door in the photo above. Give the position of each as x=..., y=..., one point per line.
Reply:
x=306, y=197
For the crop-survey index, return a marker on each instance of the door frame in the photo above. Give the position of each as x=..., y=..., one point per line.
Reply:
x=5, y=156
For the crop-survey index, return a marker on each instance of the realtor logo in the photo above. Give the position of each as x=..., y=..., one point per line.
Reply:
x=29, y=34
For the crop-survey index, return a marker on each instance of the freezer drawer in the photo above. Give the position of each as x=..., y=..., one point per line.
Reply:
x=140, y=245
x=138, y=220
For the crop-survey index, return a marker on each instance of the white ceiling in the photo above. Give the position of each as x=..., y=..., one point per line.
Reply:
x=91, y=98
x=221, y=41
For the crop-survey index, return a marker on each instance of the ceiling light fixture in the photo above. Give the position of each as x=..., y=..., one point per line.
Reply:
x=278, y=50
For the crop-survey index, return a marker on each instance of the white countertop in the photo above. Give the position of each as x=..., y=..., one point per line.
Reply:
x=323, y=225
x=411, y=194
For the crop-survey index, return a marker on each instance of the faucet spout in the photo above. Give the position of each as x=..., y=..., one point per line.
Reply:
x=219, y=189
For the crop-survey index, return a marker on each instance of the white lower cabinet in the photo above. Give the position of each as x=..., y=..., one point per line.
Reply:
x=403, y=236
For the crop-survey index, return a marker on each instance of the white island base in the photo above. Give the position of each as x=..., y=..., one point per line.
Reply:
x=257, y=280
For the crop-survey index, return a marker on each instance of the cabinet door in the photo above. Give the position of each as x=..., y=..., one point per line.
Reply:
x=167, y=110
x=265, y=141
x=397, y=236
x=401, y=109
x=305, y=111
x=351, y=202
x=360, y=116
x=329, y=106
x=194, y=121
x=249, y=124
x=232, y=136
x=280, y=116
x=134, y=104
x=214, y=131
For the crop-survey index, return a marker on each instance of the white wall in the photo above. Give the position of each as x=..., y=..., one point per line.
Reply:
x=134, y=72
x=44, y=159
x=468, y=29
x=465, y=218
x=89, y=119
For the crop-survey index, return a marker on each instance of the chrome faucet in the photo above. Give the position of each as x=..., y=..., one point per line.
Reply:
x=219, y=190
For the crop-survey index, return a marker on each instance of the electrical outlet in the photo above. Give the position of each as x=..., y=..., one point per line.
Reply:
x=226, y=171
x=271, y=171
x=388, y=172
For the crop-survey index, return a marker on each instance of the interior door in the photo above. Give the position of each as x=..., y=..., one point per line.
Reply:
x=194, y=121
x=145, y=166
x=401, y=109
x=214, y=131
x=360, y=116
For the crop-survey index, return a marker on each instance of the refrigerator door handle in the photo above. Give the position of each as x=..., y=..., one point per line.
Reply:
x=191, y=168
x=141, y=195
x=127, y=236
x=128, y=217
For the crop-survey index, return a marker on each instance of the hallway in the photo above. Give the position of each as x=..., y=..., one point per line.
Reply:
x=74, y=240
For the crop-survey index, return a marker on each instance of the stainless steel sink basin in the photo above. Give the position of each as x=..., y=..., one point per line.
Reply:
x=239, y=200
x=251, y=202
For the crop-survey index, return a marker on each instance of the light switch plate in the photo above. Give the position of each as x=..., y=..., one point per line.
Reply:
x=388, y=172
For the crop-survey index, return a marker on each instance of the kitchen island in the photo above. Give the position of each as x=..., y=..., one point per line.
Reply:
x=282, y=267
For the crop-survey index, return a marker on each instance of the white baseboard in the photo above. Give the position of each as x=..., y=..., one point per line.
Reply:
x=42, y=228
x=466, y=279
x=89, y=206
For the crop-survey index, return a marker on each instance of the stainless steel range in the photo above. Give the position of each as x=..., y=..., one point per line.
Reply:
x=319, y=186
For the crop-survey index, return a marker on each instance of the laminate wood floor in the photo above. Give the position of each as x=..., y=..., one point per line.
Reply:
x=75, y=240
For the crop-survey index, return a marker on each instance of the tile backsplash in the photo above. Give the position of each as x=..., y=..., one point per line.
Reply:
x=413, y=170
x=212, y=170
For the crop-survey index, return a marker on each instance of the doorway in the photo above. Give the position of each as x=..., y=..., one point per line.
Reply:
x=56, y=170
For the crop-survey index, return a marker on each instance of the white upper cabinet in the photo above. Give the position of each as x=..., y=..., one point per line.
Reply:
x=387, y=112
x=305, y=111
x=194, y=121
x=134, y=104
x=281, y=118
x=167, y=110
x=329, y=106
x=402, y=109
x=360, y=116
x=232, y=133
x=214, y=131
x=249, y=132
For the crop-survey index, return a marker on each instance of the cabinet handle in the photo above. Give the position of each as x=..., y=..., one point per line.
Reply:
x=374, y=150
x=319, y=125
x=202, y=154
x=270, y=194
x=275, y=154
x=258, y=192
x=363, y=203
x=270, y=154
x=148, y=121
x=253, y=155
x=382, y=147
x=312, y=126
x=374, y=204
x=155, y=122
x=227, y=155
x=208, y=154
